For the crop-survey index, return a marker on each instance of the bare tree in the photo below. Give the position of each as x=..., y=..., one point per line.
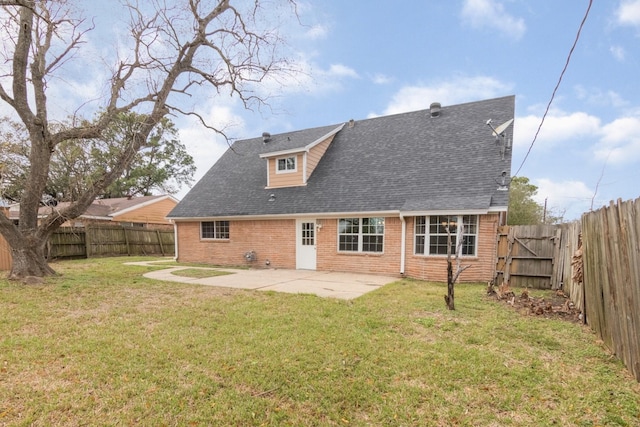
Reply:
x=176, y=50
x=452, y=277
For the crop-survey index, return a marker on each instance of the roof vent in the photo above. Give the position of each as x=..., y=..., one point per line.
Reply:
x=266, y=137
x=352, y=123
x=435, y=109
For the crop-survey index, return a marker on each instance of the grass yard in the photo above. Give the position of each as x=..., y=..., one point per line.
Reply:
x=101, y=345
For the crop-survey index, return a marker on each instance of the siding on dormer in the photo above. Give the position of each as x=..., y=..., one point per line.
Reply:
x=286, y=179
x=315, y=154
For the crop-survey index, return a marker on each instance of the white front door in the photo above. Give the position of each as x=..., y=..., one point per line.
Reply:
x=306, y=244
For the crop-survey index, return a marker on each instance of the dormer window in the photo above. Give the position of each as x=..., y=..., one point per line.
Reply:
x=287, y=164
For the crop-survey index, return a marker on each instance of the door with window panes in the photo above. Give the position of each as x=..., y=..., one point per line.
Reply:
x=306, y=244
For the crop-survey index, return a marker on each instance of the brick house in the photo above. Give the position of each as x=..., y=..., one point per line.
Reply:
x=368, y=196
x=143, y=211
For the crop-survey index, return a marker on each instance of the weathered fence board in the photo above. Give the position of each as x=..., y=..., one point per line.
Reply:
x=568, y=245
x=611, y=252
x=98, y=241
x=67, y=242
x=102, y=240
x=525, y=255
x=5, y=255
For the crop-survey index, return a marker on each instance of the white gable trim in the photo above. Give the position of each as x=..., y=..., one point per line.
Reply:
x=304, y=149
x=142, y=205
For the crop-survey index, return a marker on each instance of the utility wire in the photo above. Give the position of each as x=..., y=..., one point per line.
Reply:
x=566, y=65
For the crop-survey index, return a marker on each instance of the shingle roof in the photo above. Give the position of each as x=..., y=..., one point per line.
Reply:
x=104, y=208
x=403, y=162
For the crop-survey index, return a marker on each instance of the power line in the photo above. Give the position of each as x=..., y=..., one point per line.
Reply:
x=566, y=65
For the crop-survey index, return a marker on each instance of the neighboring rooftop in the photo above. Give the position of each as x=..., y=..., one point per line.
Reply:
x=100, y=208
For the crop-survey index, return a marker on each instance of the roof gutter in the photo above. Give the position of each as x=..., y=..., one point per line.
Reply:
x=175, y=242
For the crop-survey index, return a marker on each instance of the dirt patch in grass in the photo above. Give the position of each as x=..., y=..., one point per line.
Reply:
x=551, y=305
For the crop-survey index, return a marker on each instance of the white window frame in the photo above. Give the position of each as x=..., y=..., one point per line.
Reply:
x=287, y=168
x=220, y=229
x=360, y=235
x=426, y=235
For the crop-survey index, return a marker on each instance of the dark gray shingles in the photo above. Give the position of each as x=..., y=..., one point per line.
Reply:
x=407, y=161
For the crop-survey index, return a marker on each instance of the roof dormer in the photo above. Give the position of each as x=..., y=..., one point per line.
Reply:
x=292, y=167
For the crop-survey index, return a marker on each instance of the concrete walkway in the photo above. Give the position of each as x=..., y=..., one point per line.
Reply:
x=321, y=283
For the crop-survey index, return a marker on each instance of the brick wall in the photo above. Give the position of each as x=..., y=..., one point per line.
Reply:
x=274, y=240
x=271, y=240
x=388, y=262
x=434, y=268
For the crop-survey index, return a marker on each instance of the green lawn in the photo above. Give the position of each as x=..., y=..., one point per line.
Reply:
x=101, y=345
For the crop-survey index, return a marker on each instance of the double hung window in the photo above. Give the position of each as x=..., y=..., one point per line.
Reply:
x=361, y=235
x=431, y=234
x=214, y=230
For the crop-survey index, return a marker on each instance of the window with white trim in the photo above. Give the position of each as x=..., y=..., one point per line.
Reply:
x=218, y=230
x=286, y=164
x=431, y=234
x=361, y=235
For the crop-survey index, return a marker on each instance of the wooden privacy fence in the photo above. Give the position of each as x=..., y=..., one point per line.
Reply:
x=611, y=258
x=96, y=241
x=5, y=255
x=595, y=261
x=526, y=255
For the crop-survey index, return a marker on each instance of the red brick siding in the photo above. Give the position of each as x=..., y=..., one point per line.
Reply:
x=328, y=257
x=434, y=268
x=271, y=240
x=275, y=240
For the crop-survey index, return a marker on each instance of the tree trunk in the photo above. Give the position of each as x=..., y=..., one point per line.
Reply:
x=29, y=261
x=449, y=297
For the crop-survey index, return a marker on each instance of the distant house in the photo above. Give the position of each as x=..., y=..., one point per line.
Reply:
x=144, y=211
x=370, y=196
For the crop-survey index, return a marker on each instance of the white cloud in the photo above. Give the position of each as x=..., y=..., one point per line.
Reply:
x=310, y=78
x=618, y=53
x=558, y=127
x=620, y=142
x=569, y=198
x=381, y=79
x=491, y=14
x=629, y=13
x=204, y=145
x=340, y=70
x=455, y=91
x=599, y=97
x=317, y=32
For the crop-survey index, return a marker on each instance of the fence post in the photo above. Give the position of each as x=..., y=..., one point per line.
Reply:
x=126, y=241
x=88, y=238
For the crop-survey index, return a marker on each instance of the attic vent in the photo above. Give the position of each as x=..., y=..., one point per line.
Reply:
x=266, y=137
x=435, y=109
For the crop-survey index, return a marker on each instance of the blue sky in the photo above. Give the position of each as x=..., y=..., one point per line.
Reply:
x=368, y=58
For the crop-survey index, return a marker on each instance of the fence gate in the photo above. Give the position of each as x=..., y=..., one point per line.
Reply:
x=526, y=255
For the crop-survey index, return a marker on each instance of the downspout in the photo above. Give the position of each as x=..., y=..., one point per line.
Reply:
x=175, y=241
x=403, y=240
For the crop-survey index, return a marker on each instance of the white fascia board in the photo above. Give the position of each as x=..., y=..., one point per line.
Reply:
x=446, y=212
x=322, y=138
x=304, y=149
x=291, y=216
x=498, y=209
